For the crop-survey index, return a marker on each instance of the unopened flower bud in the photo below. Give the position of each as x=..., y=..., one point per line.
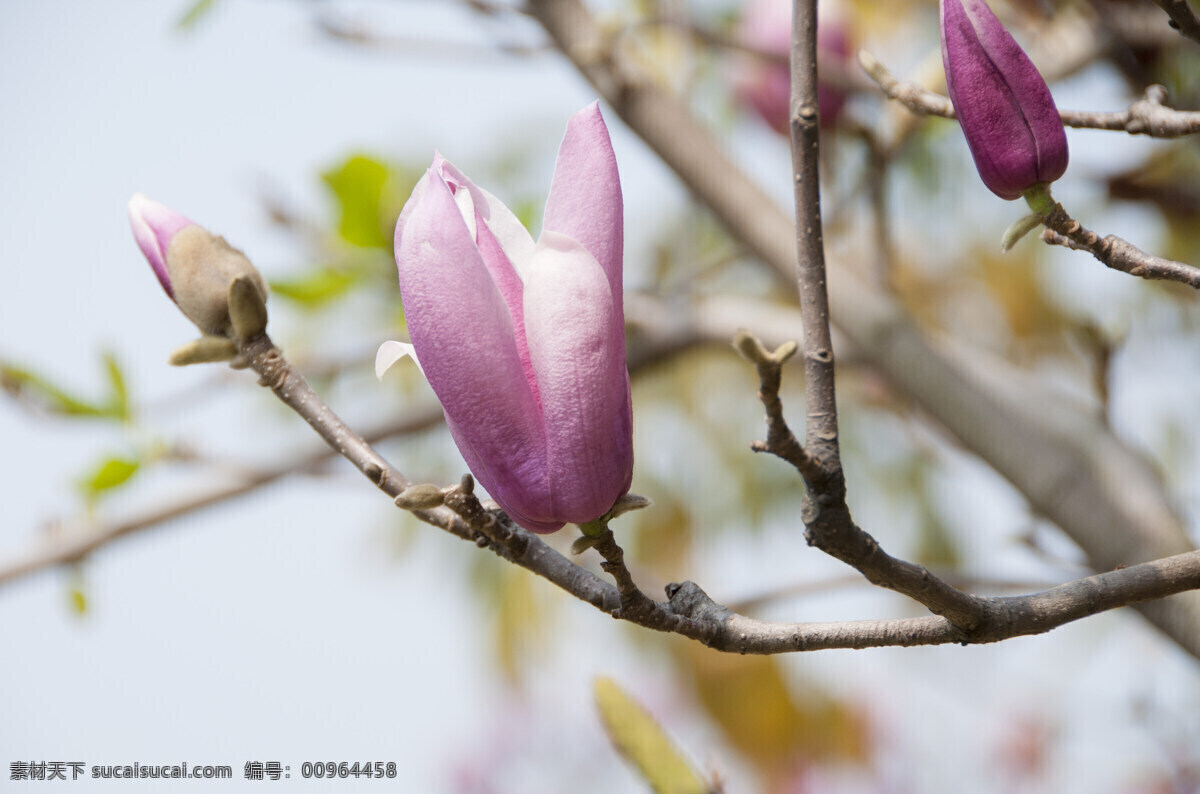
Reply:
x=1003, y=105
x=198, y=269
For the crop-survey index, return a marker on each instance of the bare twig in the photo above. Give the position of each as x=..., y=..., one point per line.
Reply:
x=821, y=427
x=1003, y=618
x=1147, y=116
x=780, y=440
x=852, y=581
x=1062, y=229
x=1183, y=17
x=828, y=525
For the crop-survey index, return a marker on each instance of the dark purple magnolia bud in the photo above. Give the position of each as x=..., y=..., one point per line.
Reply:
x=1003, y=105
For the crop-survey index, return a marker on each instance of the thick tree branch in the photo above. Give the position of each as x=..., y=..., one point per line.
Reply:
x=1147, y=116
x=1068, y=465
x=1003, y=618
x=821, y=427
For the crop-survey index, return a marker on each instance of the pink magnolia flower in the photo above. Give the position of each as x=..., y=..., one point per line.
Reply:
x=1003, y=105
x=766, y=26
x=524, y=342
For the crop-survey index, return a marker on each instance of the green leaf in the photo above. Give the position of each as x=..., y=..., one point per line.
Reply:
x=317, y=287
x=119, y=395
x=643, y=743
x=109, y=474
x=197, y=11
x=23, y=384
x=358, y=185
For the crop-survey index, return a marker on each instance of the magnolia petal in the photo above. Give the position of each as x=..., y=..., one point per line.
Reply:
x=391, y=352
x=569, y=317
x=508, y=230
x=585, y=196
x=154, y=226
x=462, y=331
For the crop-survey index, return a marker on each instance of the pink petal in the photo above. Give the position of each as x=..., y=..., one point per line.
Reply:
x=570, y=316
x=585, y=197
x=503, y=244
x=154, y=226
x=462, y=330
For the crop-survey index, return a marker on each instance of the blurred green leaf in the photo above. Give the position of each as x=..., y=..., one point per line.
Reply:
x=110, y=473
x=317, y=287
x=641, y=740
x=118, y=393
x=358, y=186
x=196, y=11
x=23, y=384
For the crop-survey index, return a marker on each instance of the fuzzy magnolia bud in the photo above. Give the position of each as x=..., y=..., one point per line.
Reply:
x=1003, y=105
x=198, y=270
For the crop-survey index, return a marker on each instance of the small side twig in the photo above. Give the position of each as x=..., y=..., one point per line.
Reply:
x=1147, y=116
x=780, y=441
x=1114, y=252
x=828, y=524
x=636, y=606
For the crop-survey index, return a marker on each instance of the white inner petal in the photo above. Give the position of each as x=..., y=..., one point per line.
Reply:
x=391, y=352
x=466, y=206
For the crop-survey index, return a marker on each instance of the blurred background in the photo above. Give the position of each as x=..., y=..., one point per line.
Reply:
x=306, y=619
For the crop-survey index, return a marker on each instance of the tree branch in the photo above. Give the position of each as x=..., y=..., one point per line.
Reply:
x=1062, y=229
x=821, y=427
x=1065, y=462
x=68, y=541
x=1003, y=618
x=688, y=610
x=1183, y=17
x=1147, y=116
x=828, y=525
